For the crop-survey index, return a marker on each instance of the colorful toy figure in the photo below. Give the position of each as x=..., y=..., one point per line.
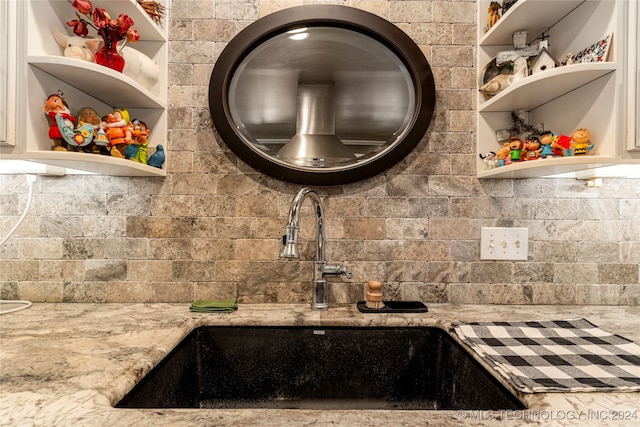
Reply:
x=56, y=105
x=140, y=134
x=581, y=141
x=118, y=131
x=546, y=140
x=532, y=149
x=560, y=144
x=516, y=147
x=89, y=115
x=490, y=160
x=503, y=155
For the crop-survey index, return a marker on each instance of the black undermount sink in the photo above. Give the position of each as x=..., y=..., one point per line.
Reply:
x=319, y=368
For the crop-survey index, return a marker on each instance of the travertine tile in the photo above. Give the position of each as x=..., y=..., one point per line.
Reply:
x=212, y=227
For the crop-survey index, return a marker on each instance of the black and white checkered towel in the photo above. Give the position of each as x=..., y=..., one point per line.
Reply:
x=560, y=356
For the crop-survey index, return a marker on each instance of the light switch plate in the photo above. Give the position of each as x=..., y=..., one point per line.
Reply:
x=504, y=243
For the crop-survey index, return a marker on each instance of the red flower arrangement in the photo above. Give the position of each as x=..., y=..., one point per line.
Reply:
x=111, y=30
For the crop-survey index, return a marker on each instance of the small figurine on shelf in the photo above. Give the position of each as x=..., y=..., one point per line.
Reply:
x=490, y=160
x=546, y=141
x=76, y=138
x=516, y=147
x=493, y=14
x=581, y=141
x=101, y=141
x=118, y=131
x=503, y=155
x=157, y=159
x=140, y=134
x=89, y=115
x=56, y=105
x=560, y=145
x=531, y=149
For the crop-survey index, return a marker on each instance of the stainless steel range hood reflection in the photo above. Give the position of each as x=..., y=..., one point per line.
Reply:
x=315, y=142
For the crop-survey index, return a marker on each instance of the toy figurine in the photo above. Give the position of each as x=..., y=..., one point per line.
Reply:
x=140, y=134
x=54, y=105
x=560, y=144
x=516, y=147
x=101, y=141
x=546, y=140
x=503, y=155
x=532, y=149
x=493, y=14
x=89, y=115
x=490, y=160
x=77, y=138
x=581, y=141
x=118, y=131
x=157, y=159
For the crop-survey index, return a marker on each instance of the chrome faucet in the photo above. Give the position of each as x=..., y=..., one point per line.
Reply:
x=290, y=247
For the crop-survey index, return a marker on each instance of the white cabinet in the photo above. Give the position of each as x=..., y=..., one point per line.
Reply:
x=7, y=73
x=591, y=95
x=42, y=71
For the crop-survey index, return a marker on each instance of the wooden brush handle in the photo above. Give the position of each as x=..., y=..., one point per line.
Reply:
x=374, y=293
x=374, y=286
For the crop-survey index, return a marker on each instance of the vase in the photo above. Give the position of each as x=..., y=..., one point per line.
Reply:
x=108, y=55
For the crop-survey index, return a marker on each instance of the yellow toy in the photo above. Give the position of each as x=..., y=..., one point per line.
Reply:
x=581, y=141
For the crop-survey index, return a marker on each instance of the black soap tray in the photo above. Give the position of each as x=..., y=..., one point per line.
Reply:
x=394, y=307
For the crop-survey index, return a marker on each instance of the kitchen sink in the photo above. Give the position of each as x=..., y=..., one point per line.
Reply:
x=319, y=368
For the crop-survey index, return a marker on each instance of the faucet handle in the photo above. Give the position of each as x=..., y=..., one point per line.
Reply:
x=348, y=274
x=337, y=269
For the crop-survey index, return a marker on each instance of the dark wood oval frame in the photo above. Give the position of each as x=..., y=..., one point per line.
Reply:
x=333, y=16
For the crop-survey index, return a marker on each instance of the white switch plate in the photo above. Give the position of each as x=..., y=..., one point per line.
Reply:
x=504, y=243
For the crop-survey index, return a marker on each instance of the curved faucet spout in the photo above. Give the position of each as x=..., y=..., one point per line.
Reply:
x=290, y=246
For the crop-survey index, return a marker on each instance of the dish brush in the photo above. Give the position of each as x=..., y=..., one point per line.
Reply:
x=374, y=296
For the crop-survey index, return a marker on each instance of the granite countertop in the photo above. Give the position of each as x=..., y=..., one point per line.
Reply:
x=68, y=364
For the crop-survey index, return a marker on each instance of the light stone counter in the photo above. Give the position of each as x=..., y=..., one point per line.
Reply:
x=67, y=364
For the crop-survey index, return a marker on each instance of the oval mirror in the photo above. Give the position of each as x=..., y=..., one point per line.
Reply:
x=321, y=95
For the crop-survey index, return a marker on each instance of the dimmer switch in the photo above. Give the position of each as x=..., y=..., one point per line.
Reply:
x=504, y=243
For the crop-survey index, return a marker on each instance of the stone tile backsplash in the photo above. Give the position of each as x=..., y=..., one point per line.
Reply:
x=212, y=227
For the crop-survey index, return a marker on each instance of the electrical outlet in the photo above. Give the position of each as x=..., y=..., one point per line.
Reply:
x=501, y=243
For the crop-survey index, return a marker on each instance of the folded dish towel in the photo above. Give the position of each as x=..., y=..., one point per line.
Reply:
x=214, y=306
x=560, y=356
